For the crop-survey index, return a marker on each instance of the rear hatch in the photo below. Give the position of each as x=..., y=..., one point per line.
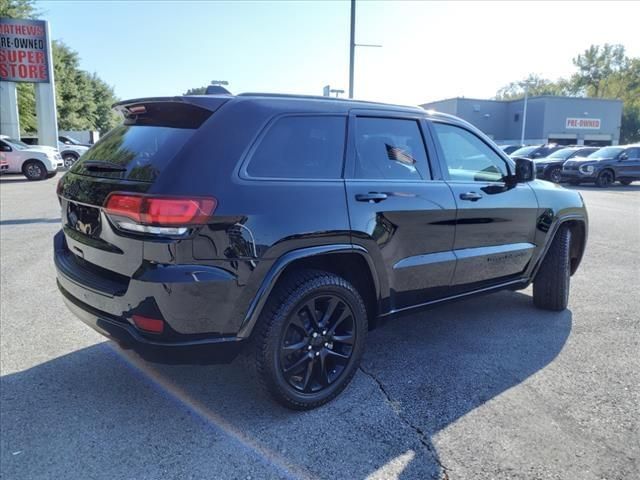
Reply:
x=130, y=158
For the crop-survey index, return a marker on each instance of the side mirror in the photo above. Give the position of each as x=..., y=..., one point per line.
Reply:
x=624, y=156
x=525, y=170
x=5, y=148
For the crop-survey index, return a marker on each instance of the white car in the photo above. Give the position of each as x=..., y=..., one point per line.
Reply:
x=36, y=162
x=70, y=149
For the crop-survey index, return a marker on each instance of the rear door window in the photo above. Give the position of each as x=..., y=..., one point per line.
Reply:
x=390, y=148
x=305, y=146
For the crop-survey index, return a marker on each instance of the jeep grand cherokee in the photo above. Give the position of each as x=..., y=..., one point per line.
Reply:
x=293, y=225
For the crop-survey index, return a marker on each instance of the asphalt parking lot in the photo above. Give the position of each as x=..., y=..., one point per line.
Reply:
x=486, y=388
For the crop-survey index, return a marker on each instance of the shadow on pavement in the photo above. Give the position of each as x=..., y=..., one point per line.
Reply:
x=421, y=373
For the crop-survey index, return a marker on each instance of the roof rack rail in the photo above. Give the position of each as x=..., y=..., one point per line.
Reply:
x=319, y=97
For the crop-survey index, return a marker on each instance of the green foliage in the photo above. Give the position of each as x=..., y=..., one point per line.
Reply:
x=602, y=72
x=196, y=91
x=536, y=85
x=18, y=8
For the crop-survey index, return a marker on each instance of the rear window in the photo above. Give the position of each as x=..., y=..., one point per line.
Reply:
x=300, y=147
x=145, y=144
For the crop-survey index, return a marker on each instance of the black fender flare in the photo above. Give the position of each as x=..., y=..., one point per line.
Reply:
x=551, y=236
x=272, y=276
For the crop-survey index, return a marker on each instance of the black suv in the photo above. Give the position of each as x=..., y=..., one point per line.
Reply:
x=550, y=168
x=294, y=225
x=604, y=167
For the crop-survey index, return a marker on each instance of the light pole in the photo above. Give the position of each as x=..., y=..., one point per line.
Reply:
x=353, y=45
x=524, y=112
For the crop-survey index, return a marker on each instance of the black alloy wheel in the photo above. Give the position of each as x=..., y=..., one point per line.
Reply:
x=605, y=179
x=310, y=338
x=555, y=174
x=318, y=343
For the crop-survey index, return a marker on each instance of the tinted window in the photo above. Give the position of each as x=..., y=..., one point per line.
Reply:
x=468, y=158
x=390, y=149
x=301, y=147
x=562, y=154
x=524, y=151
x=141, y=151
x=633, y=153
x=607, y=152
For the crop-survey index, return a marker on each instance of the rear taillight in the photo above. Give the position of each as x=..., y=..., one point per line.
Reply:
x=158, y=215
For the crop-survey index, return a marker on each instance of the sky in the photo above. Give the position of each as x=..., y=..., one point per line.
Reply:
x=430, y=50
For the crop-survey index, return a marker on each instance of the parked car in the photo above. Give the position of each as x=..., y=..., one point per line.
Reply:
x=536, y=151
x=69, y=151
x=35, y=162
x=261, y=221
x=509, y=149
x=550, y=167
x=605, y=166
x=67, y=140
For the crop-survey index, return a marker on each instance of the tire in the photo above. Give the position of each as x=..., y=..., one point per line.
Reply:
x=551, y=285
x=34, y=170
x=555, y=174
x=289, y=359
x=626, y=181
x=69, y=159
x=605, y=179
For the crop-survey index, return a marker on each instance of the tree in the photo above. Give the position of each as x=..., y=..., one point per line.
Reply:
x=536, y=85
x=18, y=8
x=596, y=66
x=196, y=91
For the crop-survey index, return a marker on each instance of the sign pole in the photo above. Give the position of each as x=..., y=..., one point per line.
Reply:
x=9, y=117
x=46, y=102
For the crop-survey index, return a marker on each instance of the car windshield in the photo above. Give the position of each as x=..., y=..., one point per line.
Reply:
x=70, y=140
x=524, y=151
x=607, y=152
x=562, y=154
x=19, y=145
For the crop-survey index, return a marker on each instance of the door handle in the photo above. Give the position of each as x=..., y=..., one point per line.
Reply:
x=371, y=197
x=471, y=196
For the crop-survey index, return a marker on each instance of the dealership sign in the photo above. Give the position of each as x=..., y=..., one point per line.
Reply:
x=583, y=123
x=23, y=51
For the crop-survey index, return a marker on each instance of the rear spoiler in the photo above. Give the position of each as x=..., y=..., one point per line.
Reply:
x=208, y=102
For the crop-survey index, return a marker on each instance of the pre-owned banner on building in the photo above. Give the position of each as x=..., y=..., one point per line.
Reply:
x=23, y=50
x=583, y=123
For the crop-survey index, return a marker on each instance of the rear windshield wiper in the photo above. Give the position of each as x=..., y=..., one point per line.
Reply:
x=104, y=166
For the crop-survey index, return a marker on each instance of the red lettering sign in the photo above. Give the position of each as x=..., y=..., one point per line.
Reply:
x=583, y=123
x=23, y=51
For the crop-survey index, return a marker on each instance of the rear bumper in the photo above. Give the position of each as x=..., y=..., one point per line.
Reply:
x=202, y=351
x=187, y=303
